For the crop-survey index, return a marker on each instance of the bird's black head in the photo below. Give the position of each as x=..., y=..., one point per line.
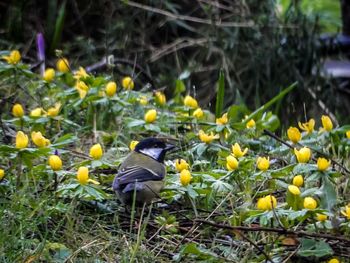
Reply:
x=154, y=148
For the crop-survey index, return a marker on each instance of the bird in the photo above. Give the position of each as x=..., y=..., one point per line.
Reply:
x=142, y=172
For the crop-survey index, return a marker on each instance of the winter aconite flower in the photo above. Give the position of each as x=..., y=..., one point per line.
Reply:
x=294, y=134
x=346, y=212
x=160, y=98
x=237, y=151
x=96, y=151
x=21, y=140
x=53, y=111
x=49, y=75
x=13, y=58
x=62, y=65
x=267, y=203
x=263, y=163
x=310, y=203
x=231, y=163
x=127, y=83
x=298, y=180
x=82, y=88
x=321, y=217
x=83, y=176
x=36, y=112
x=250, y=124
x=303, y=155
x=207, y=138
x=55, y=162
x=326, y=123
x=185, y=177
x=17, y=110
x=323, y=164
x=181, y=164
x=348, y=134
x=2, y=174
x=294, y=189
x=150, y=116
x=198, y=113
x=143, y=100
x=111, y=88
x=333, y=260
x=307, y=126
x=39, y=140
x=133, y=144
x=81, y=73
x=222, y=120
x=191, y=102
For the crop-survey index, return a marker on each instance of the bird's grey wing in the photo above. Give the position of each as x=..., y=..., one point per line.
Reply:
x=134, y=174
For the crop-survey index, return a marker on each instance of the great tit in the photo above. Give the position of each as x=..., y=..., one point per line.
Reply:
x=142, y=172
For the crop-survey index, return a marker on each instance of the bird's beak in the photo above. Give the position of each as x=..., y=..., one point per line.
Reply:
x=169, y=147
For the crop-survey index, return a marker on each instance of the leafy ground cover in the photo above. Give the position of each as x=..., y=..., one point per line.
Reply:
x=235, y=190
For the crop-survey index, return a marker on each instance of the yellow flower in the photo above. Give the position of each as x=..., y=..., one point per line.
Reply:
x=13, y=58
x=250, y=124
x=294, y=189
x=190, y=102
x=348, y=134
x=2, y=174
x=82, y=88
x=127, y=83
x=83, y=176
x=198, y=113
x=307, y=126
x=185, y=177
x=53, y=111
x=49, y=75
x=36, y=112
x=223, y=120
x=261, y=204
x=133, y=145
x=55, y=162
x=310, y=203
x=231, y=163
x=303, y=155
x=111, y=88
x=294, y=134
x=21, y=140
x=150, y=116
x=39, y=140
x=333, y=260
x=263, y=163
x=160, y=98
x=207, y=138
x=346, y=212
x=96, y=151
x=323, y=164
x=321, y=217
x=62, y=65
x=298, y=180
x=81, y=73
x=326, y=123
x=143, y=100
x=17, y=110
x=237, y=151
x=267, y=203
x=181, y=164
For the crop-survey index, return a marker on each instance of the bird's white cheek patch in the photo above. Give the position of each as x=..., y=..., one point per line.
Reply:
x=152, y=152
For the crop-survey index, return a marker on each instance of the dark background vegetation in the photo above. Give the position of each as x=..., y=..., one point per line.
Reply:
x=262, y=46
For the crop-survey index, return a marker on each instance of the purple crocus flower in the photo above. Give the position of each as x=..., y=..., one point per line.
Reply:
x=40, y=44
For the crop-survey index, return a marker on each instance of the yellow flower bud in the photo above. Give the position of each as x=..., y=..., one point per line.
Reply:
x=49, y=75
x=81, y=73
x=111, y=88
x=237, y=151
x=39, y=140
x=294, y=189
x=263, y=163
x=2, y=174
x=62, y=65
x=303, y=155
x=231, y=163
x=133, y=145
x=267, y=203
x=294, y=134
x=190, y=102
x=53, y=111
x=223, y=120
x=36, y=112
x=83, y=175
x=13, y=58
x=160, y=98
x=261, y=204
x=250, y=124
x=333, y=260
x=128, y=83
x=150, y=116
x=346, y=212
x=21, y=140
x=143, y=100
x=321, y=217
x=348, y=134
x=198, y=113
x=323, y=164
x=207, y=138
x=55, y=162
x=326, y=123
x=298, y=180
x=185, y=177
x=310, y=203
x=181, y=164
x=307, y=126
x=17, y=110
x=96, y=151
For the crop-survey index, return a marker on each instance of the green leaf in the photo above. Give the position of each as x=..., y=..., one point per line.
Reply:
x=313, y=248
x=135, y=123
x=329, y=195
